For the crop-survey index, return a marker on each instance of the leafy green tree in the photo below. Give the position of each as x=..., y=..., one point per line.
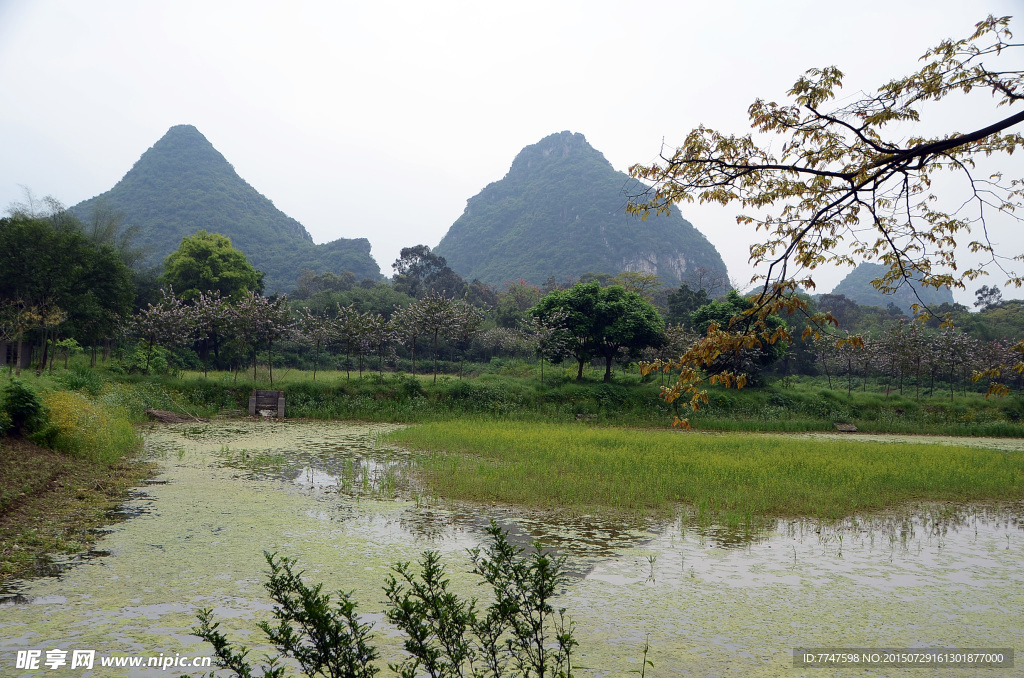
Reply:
x=988, y=297
x=419, y=272
x=729, y=313
x=684, y=301
x=481, y=295
x=205, y=262
x=625, y=321
x=829, y=183
x=601, y=320
x=643, y=283
x=48, y=264
x=310, y=282
x=517, y=299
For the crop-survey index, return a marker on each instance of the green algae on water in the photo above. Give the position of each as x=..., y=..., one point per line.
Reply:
x=933, y=575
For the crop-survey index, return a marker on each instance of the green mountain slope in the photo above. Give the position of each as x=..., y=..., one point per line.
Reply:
x=560, y=211
x=857, y=287
x=183, y=184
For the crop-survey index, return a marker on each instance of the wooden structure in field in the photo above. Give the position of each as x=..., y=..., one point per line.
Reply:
x=266, y=404
x=9, y=351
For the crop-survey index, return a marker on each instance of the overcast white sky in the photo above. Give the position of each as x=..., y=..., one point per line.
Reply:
x=380, y=119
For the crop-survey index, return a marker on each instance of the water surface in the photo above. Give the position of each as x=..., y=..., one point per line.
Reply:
x=712, y=601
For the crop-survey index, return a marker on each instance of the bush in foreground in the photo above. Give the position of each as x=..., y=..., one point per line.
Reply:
x=519, y=635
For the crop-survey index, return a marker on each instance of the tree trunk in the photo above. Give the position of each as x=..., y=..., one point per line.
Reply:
x=17, y=358
x=316, y=358
x=53, y=351
x=579, y=373
x=435, y=356
x=42, y=350
x=608, y=369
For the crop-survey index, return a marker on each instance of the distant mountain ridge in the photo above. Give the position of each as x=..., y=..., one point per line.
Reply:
x=857, y=287
x=183, y=184
x=561, y=210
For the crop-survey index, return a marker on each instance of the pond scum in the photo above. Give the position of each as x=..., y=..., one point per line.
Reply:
x=713, y=600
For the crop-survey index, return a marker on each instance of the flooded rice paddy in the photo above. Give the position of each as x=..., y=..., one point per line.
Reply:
x=712, y=601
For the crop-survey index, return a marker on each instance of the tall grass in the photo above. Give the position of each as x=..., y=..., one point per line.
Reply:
x=84, y=428
x=583, y=467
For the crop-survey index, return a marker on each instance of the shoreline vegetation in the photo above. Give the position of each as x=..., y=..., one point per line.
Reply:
x=736, y=478
x=502, y=435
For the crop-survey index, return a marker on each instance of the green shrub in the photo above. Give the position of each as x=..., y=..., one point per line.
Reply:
x=80, y=378
x=23, y=408
x=518, y=635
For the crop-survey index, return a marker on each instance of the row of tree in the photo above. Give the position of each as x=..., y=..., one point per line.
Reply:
x=79, y=285
x=909, y=355
x=584, y=322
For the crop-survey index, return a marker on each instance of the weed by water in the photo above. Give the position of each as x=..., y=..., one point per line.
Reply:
x=728, y=477
x=84, y=428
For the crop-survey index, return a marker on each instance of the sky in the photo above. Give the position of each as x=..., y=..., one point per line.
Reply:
x=381, y=119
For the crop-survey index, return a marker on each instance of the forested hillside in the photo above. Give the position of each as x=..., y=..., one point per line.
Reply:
x=857, y=287
x=183, y=184
x=561, y=211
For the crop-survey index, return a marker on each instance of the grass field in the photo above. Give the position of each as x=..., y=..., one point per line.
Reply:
x=732, y=476
x=512, y=390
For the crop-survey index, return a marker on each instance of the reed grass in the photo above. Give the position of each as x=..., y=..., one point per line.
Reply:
x=583, y=467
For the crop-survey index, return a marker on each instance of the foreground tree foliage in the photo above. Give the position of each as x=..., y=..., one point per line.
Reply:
x=518, y=635
x=830, y=185
x=747, y=361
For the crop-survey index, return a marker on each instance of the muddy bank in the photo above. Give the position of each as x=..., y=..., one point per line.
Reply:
x=53, y=505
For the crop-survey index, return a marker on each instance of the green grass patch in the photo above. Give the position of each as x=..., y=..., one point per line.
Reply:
x=583, y=467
